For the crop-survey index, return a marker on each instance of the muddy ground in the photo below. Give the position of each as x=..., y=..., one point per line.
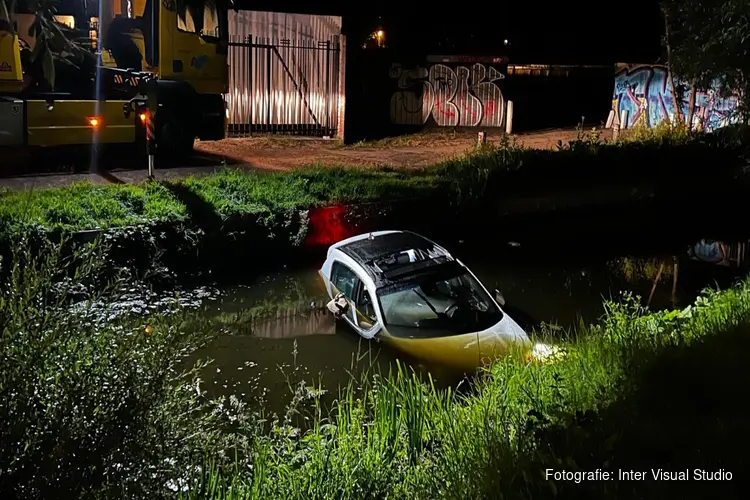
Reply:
x=278, y=153
x=418, y=150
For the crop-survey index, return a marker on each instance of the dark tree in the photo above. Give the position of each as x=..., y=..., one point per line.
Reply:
x=708, y=43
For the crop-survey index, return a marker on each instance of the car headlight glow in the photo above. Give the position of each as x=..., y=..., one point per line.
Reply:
x=545, y=353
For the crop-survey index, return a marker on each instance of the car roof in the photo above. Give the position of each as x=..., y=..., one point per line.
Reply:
x=367, y=248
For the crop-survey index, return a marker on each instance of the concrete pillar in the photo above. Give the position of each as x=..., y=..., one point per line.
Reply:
x=610, y=119
x=340, y=125
x=509, y=118
x=624, y=119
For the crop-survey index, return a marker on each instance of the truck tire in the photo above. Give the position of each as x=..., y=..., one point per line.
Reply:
x=175, y=138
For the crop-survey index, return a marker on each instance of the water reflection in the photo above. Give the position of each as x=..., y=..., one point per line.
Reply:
x=297, y=322
x=308, y=349
x=302, y=344
x=718, y=252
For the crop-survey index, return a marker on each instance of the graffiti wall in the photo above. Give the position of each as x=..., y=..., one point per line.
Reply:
x=718, y=252
x=451, y=93
x=645, y=91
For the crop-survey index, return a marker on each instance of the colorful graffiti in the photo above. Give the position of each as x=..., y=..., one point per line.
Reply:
x=645, y=91
x=718, y=252
x=460, y=96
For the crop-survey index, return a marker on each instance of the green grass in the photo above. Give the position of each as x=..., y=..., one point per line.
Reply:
x=227, y=193
x=635, y=375
x=484, y=173
x=108, y=411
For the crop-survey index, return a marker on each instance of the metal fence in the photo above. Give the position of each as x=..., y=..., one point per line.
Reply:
x=283, y=86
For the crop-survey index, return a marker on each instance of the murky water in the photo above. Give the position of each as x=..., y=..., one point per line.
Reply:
x=301, y=344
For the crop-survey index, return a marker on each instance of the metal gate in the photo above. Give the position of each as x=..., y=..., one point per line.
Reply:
x=283, y=87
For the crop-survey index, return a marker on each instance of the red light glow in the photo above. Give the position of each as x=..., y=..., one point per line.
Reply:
x=328, y=225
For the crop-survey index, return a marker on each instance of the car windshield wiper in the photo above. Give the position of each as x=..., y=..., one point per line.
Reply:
x=426, y=302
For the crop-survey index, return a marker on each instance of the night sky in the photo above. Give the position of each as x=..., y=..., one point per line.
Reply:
x=543, y=32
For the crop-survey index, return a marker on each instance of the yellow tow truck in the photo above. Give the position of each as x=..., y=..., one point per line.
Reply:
x=177, y=48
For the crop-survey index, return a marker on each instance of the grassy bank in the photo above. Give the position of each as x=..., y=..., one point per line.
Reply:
x=484, y=173
x=198, y=225
x=640, y=391
x=90, y=410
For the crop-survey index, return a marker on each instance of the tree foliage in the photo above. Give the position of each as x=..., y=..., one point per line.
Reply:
x=708, y=42
x=55, y=44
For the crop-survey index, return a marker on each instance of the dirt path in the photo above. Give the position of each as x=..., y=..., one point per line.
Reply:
x=285, y=153
x=281, y=153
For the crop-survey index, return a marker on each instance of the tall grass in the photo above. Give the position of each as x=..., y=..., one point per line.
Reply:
x=90, y=409
x=93, y=410
x=398, y=437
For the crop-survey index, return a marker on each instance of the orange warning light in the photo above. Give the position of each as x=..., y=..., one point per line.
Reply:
x=143, y=117
x=94, y=122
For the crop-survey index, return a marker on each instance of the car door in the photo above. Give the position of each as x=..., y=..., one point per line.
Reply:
x=361, y=314
x=365, y=316
x=343, y=280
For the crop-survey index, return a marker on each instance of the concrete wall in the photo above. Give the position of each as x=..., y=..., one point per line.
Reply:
x=391, y=93
x=645, y=92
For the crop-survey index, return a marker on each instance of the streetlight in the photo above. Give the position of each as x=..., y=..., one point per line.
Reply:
x=379, y=36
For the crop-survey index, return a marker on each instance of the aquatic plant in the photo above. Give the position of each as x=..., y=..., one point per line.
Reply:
x=635, y=269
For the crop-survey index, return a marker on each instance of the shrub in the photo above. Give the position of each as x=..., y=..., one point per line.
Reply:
x=86, y=408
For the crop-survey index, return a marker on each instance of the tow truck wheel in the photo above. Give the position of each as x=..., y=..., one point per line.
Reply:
x=175, y=139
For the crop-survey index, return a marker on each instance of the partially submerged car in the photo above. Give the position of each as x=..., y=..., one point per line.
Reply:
x=403, y=289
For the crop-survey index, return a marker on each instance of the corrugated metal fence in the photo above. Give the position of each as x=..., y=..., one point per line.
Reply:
x=283, y=86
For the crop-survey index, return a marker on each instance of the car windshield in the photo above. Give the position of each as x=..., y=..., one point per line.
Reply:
x=438, y=304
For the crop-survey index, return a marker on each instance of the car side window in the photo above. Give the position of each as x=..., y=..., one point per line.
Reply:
x=344, y=279
x=365, y=307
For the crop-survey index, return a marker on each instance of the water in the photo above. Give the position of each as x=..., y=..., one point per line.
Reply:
x=301, y=345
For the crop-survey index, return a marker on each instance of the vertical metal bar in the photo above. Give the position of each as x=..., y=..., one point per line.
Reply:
x=328, y=87
x=250, y=89
x=150, y=165
x=268, y=84
x=150, y=133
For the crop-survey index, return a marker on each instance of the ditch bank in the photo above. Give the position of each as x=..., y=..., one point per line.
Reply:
x=236, y=222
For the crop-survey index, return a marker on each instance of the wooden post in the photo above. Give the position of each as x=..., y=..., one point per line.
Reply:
x=656, y=282
x=509, y=118
x=342, y=89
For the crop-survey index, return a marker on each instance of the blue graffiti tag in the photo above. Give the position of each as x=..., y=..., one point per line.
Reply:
x=199, y=62
x=645, y=91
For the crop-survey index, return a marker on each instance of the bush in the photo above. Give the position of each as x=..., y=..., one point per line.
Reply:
x=90, y=408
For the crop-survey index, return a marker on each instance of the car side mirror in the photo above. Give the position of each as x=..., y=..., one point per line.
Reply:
x=499, y=298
